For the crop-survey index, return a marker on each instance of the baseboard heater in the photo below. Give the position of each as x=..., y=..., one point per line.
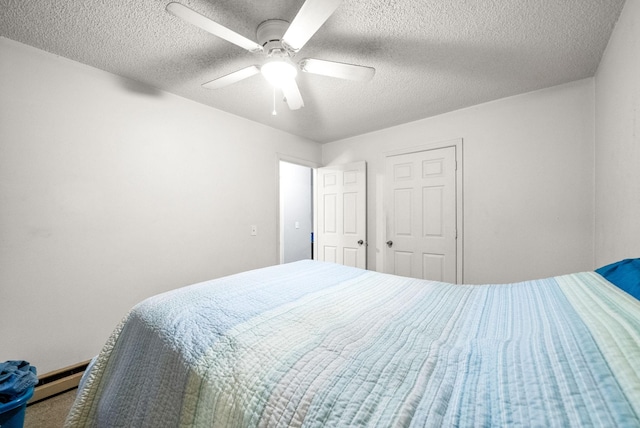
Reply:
x=58, y=381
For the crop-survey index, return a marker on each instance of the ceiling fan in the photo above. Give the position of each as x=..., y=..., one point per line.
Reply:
x=279, y=42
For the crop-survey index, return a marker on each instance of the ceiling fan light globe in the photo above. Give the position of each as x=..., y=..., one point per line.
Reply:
x=278, y=73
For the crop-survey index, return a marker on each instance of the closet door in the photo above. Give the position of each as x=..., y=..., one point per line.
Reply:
x=420, y=198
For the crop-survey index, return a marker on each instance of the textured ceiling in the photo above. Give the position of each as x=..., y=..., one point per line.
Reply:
x=430, y=57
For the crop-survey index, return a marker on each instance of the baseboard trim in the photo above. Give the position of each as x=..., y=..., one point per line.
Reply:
x=58, y=381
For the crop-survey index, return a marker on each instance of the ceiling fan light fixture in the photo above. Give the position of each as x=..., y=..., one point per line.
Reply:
x=278, y=72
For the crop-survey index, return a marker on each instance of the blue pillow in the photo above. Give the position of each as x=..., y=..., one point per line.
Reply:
x=625, y=274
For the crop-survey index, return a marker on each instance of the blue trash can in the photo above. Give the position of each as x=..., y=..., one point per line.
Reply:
x=12, y=413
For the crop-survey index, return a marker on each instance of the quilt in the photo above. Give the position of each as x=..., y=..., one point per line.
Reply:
x=316, y=344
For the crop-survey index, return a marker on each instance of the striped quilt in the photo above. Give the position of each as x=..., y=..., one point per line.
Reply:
x=321, y=345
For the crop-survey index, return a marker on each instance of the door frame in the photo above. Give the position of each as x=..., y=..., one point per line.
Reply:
x=279, y=230
x=457, y=143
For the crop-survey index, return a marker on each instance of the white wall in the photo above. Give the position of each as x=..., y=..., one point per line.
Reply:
x=617, y=170
x=109, y=195
x=528, y=180
x=296, y=214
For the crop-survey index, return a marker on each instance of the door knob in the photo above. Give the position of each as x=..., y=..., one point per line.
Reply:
x=360, y=242
x=389, y=244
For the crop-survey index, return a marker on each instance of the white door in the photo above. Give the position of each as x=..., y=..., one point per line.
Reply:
x=420, y=206
x=342, y=214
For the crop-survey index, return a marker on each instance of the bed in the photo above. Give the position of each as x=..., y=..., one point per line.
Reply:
x=319, y=344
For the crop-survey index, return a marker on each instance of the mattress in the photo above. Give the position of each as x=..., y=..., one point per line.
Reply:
x=319, y=344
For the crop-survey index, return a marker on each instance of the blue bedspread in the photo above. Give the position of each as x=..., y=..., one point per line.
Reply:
x=318, y=344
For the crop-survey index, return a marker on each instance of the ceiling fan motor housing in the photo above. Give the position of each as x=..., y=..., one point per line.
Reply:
x=269, y=35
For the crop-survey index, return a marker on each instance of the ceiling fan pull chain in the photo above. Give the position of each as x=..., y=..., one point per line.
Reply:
x=274, y=112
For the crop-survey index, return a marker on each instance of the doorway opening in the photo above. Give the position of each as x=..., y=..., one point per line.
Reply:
x=296, y=211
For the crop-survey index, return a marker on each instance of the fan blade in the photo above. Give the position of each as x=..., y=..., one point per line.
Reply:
x=231, y=78
x=292, y=94
x=337, y=69
x=309, y=19
x=193, y=17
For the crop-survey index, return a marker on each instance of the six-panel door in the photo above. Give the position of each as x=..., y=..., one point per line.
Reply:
x=420, y=205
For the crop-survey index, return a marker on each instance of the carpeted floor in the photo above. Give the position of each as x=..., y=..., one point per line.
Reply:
x=50, y=413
